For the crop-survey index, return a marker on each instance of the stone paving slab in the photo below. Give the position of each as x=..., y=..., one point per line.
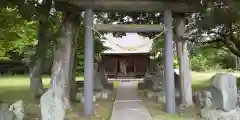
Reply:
x=127, y=105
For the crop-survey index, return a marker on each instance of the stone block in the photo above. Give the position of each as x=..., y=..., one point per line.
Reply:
x=149, y=94
x=160, y=96
x=104, y=95
x=79, y=96
x=98, y=95
x=214, y=114
x=224, y=92
x=52, y=105
x=97, y=81
x=18, y=109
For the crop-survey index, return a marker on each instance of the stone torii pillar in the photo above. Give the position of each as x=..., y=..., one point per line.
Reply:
x=168, y=64
x=88, y=63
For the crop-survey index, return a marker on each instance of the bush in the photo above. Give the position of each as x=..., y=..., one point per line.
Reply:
x=209, y=58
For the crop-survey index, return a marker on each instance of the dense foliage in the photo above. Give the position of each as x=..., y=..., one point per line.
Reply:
x=18, y=39
x=218, y=20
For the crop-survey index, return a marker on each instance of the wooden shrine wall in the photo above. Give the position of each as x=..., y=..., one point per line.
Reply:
x=141, y=62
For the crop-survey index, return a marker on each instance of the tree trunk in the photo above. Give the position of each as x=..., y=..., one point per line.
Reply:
x=73, y=89
x=181, y=70
x=72, y=77
x=185, y=78
x=36, y=63
x=63, y=58
x=36, y=80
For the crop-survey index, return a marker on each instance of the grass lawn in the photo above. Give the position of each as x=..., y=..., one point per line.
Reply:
x=200, y=81
x=13, y=88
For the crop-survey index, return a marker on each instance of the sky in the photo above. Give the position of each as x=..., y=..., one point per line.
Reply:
x=131, y=40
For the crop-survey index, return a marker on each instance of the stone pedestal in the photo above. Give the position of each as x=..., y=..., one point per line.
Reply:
x=213, y=114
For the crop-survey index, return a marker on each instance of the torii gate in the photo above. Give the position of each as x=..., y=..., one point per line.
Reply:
x=167, y=7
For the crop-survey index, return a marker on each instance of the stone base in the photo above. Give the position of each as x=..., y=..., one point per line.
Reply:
x=82, y=99
x=213, y=114
x=99, y=95
x=159, y=95
x=6, y=116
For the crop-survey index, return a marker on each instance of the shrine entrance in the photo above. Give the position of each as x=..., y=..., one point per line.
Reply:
x=125, y=65
x=167, y=8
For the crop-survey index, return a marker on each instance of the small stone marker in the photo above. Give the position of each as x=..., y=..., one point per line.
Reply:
x=79, y=96
x=97, y=81
x=52, y=105
x=18, y=109
x=98, y=95
x=6, y=116
x=224, y=92
x=207, y=99
x=104, y=95
x=160, y=96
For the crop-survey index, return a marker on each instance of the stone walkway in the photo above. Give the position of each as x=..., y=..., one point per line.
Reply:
x=127, y=105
